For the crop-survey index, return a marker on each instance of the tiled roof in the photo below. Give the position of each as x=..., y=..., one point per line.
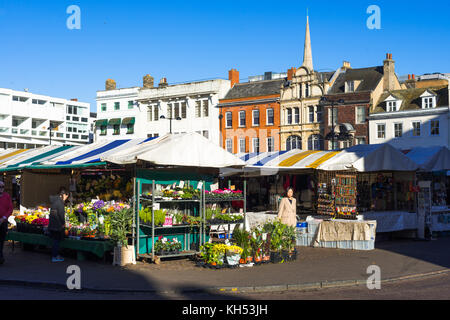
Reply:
x=369, y=77
x=255, y=89
x=411, y=98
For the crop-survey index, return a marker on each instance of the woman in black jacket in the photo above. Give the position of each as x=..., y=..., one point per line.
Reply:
x=57, y=223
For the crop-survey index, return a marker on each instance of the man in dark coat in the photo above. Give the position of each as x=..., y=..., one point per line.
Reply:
x=57, y=223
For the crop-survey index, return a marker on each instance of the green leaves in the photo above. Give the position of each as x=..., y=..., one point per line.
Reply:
x=121, y=223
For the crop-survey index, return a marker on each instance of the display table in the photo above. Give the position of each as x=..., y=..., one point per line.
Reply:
x=98, y=248
x=390, y=221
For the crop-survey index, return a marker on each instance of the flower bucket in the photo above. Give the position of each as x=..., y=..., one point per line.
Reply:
x=233, y=260
x=124, y=256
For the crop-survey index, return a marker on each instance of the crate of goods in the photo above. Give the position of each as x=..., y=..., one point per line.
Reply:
x=313, y=227
x=302, y=240
x=328, y=244
x=302, y=227
x=345, y=244
x=363, y=244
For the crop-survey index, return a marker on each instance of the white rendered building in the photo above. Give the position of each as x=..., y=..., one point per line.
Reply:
x=26, y=119
x=137, y=112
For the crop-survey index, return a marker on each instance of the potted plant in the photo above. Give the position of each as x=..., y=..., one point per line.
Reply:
x=161, y=246
x=121, y=226
x=175, y=246
x=233, y=255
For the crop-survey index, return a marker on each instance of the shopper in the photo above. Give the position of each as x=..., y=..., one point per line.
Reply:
x=6, y=208
x=287, y=213
x=57, y=222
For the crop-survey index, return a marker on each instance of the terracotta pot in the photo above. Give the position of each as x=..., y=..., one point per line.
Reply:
x=242, y=261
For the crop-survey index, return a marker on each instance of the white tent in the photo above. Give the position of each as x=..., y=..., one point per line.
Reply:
x=187, y=150
x=369, y=158
x=431, y=159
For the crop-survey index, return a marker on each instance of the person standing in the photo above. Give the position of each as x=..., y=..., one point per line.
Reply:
x=287, y=213
x=6, y=209
x=57, y=222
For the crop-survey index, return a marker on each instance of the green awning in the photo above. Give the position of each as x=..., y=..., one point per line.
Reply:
x=101, y=122
x=113, y=122
x=129, y=121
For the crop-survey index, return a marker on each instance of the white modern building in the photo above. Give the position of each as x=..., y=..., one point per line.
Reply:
x=155, y=111
x=415, y=117
x=29, y=120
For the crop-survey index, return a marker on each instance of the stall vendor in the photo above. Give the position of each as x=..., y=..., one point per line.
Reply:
x=287, y=212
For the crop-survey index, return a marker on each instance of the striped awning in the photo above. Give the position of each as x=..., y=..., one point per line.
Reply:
x=35, y=157
x=113, y=122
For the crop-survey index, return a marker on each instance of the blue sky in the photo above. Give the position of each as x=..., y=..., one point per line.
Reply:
x=193, y=40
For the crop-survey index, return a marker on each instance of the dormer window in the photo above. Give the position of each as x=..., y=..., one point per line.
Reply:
x=350, y=86
x=428, y=100
x=428, y=103
x=391, y=106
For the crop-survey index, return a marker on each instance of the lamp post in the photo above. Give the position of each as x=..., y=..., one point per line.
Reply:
x=325, y=102
x=170, y=119
x=50, y=127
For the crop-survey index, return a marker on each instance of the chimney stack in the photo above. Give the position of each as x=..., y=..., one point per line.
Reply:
x=346, y=65
x=290, y=73
x=148, y=82
x=233, y=76
x=163, y=83
x=73, y=99
x=110, y=84
x=389, y=73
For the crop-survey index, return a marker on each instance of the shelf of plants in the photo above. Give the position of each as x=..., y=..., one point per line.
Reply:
x=215, y=215
x=272, y=243
x=170, y=214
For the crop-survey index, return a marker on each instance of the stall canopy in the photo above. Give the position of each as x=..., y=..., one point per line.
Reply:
x=370, y=158
x=185, y=150
x=14, y=154
x=35, y=157
x=88, y=155
x=431, y=159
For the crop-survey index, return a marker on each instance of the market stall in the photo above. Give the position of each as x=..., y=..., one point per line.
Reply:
x=434, y=197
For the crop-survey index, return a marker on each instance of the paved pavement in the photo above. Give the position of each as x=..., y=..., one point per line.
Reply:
x=315, y=268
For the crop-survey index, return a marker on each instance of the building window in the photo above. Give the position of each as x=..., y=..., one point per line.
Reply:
x=242, y=146
x=84, y=119
x=297, y=115
x=311, y=114
x=241, y=118
x=434, y=127
x=416, y=128
x=381, y=131
x=103, y=107
x=116, y=106
x=75, y=136
x=150, y=114
x=206, y=108
x=130, y=128
x=177, y=110
x=206, y=134
x=198, y=109
x=156, y=113
x=229, y=144
x=332, y=116
x=333, y=145
x=293, y=142
x=256, y=145
x=116, y=128
x=183, y=110
x=300, y=91
x=350, y=86
x=360, y=115
x=319, y=112
x=270, y=144
x=270, y=119
x=428, y=103
x=289, y=116
x=346, y=144
x=307, y=90
x=75, y=119
x=229, y=120
x=169, y=110
x=103, y=130
x=130, y=104
x=315, y=142
x=361, y=140
x=255, y=114
x=398, y=130
x=392, y=106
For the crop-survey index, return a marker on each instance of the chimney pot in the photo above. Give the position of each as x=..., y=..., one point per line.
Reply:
x=74, y=99
x=414, y=77
x=290, y=73
x=148, y=81
x=409, y=77
x=110, y=84
x=163, y=82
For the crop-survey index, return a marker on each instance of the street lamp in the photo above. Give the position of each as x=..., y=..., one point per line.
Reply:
x=170, y=119
x=325, y=102
x=50, y=127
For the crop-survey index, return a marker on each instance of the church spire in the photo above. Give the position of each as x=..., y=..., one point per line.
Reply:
x=307, y=54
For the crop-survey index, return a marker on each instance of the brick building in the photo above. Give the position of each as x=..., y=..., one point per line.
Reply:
x=358, y=90
x=250, y=114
